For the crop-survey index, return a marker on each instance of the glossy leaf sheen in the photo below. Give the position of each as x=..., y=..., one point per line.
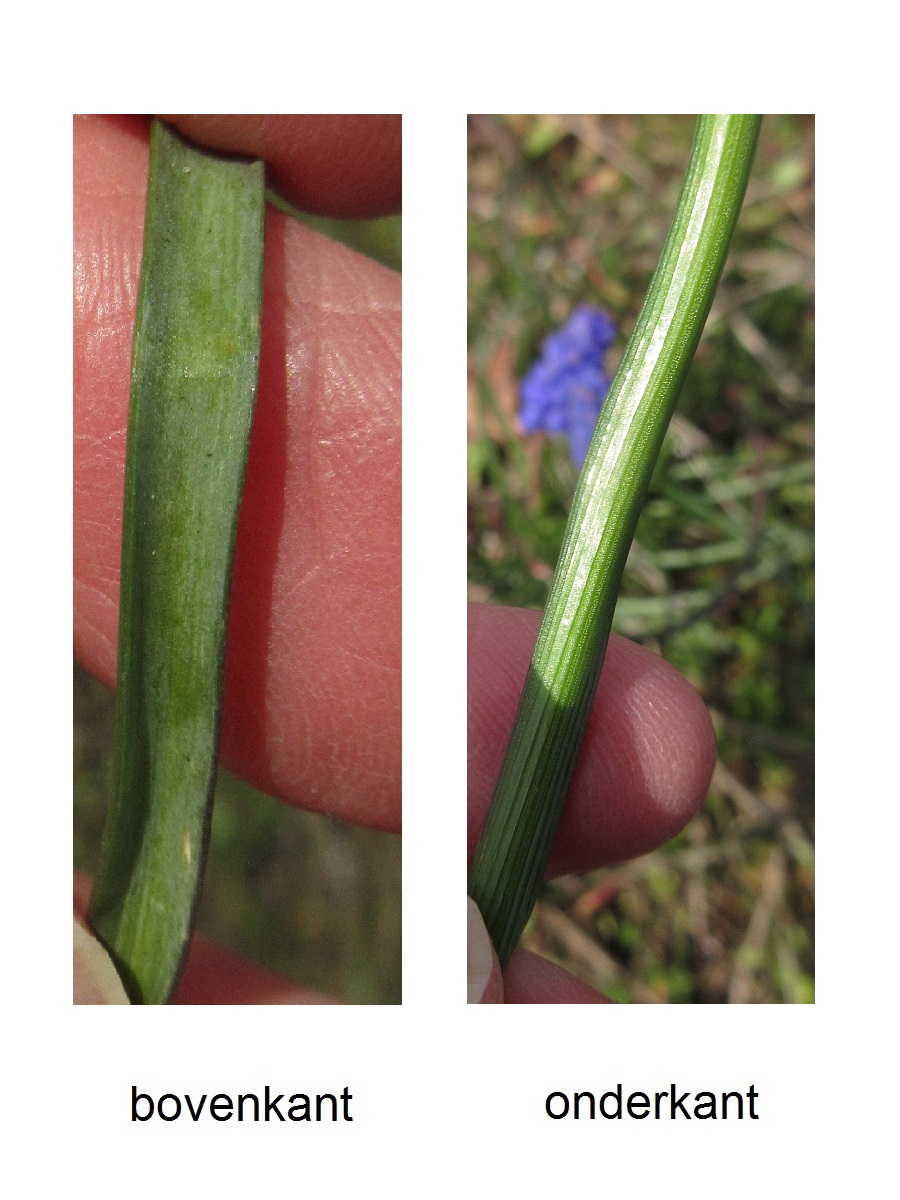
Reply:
x=195, y=362
x=515, y=843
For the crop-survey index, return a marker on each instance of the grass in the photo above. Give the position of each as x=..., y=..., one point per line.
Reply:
x=564, y=210
x=310, y=897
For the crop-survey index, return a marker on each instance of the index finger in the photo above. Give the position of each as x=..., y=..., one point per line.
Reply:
x=312, y=693
x=334, y=165
x=648, y=752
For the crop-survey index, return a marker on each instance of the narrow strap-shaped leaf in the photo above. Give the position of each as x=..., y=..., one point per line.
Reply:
x=515, y=843
x=195, y=362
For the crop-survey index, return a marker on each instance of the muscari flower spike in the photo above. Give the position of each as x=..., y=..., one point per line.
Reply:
x=564, y=391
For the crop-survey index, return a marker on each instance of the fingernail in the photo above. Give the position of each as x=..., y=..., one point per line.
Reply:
x=481, y=958
x=96, y=980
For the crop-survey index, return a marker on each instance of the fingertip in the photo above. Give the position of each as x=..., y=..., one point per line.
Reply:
x=341, y=165
x=484, y=978
x=95, y=979
x=646, y=762
x=646, y=759
x=530, y=979
x=664, y=723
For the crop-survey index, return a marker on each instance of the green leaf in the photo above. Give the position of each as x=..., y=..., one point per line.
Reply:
x=518, y=834
x=194, y=370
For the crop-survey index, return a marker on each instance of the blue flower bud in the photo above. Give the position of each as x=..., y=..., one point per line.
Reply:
x=564, y=391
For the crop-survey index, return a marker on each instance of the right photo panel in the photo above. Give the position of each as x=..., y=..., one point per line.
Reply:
x=640, y=559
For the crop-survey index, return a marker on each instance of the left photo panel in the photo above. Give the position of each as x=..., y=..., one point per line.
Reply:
x=237, y=559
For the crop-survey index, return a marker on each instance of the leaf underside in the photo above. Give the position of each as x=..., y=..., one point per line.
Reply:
x=517, y=837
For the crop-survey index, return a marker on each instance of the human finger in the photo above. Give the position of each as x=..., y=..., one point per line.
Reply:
x=530, y=979
x=647, y=756
x=485, y=981
x=527, y=979
x=312, y=690
x=336, y=165
x=212, y=973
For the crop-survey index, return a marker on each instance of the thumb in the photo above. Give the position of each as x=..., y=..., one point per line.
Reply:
x=485, y=981
x=95, y=978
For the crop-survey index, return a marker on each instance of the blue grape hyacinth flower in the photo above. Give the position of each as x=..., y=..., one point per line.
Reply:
x=564, y=391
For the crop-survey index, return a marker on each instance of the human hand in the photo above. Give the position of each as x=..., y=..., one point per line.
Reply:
x=311, y=709
x=644, y=769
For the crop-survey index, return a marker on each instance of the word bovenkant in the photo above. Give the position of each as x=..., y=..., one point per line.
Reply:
x=670, y=1105
x=249, y=1106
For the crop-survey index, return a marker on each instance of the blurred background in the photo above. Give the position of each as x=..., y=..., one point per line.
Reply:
x=312, y=898
x=565, y=210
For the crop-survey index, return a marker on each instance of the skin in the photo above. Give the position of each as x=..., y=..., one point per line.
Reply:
x=644, y=769
x=312, y=691
x=332, y=165
x=320, y=516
